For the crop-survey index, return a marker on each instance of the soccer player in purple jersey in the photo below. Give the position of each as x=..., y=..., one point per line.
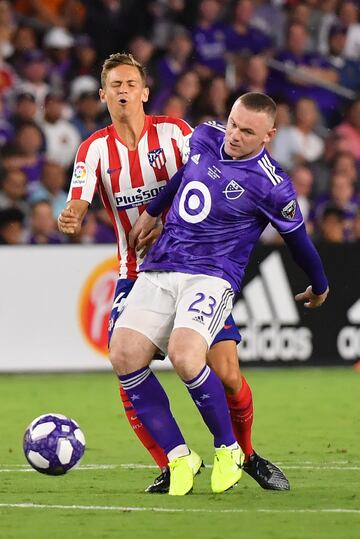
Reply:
x=228, y=192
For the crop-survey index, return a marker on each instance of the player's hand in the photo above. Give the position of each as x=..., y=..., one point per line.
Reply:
x=312, y=300
x=69, y=222
x=142, y=227
x=144, y=243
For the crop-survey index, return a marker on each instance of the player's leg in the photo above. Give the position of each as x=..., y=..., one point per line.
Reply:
x=142, y=328
x=223, y=358
x=161, y=484
x=203, y=305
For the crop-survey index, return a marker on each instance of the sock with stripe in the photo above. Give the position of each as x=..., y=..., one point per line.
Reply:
x=153, y=408
x=208, y=394
x=140, y=431
x=242, y=413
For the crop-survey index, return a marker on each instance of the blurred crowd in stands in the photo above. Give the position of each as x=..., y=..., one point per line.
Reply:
x=200, y=55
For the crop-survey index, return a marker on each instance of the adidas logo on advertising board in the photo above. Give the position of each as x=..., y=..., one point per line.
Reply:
x=348, y=340
x=265, y=314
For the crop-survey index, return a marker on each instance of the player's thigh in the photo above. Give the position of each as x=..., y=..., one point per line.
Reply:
x=149, y=309
x=203, y=304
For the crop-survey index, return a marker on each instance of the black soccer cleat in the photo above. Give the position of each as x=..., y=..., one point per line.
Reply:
x=161, y=484
x=269, y=476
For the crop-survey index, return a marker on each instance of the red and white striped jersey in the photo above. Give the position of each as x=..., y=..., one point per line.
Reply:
x=127, y=180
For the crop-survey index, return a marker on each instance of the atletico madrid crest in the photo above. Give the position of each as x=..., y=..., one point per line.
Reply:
x=157, y=158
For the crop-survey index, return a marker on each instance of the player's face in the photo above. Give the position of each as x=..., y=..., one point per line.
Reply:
x=247, y=131
x=124, y=92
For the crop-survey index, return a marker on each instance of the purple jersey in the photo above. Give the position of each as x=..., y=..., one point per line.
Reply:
x=221, y=209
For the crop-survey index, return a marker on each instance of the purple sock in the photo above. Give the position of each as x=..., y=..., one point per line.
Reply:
x=152, y=407
x=208, y=394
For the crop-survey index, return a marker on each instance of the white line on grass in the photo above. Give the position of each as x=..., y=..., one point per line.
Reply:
x=167, y=510
x=23, y=468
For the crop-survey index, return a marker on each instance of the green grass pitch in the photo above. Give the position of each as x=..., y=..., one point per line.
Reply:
x=305, y=419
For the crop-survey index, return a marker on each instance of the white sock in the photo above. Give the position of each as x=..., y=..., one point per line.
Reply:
x=178, y=451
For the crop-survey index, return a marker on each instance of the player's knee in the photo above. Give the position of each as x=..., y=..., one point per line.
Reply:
x=120, y=357
x=186, y=365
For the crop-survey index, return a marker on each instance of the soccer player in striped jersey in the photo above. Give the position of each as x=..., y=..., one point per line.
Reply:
x=130, y=162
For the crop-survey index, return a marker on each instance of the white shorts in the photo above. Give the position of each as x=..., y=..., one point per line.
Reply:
x=162, y=301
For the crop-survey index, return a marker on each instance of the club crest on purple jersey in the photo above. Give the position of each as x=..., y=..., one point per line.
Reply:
x=157, y=158
x=233, y=190
x=289, y=210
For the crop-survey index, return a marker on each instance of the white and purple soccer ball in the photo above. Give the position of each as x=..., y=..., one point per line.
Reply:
x=53, y=444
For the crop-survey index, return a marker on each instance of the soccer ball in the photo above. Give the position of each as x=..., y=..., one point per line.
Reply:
x=53, y=444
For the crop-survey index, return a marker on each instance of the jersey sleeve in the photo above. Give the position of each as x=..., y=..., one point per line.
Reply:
x=86, y=171
x=184, y=133
x=281, y=208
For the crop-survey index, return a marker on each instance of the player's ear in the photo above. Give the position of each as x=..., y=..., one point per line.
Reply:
x=269, y=135
x=102, y=96
x=145, y=95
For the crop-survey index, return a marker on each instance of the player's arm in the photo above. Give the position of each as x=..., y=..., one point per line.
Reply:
x=70, y=219
x=147, y=220
x=307, y=257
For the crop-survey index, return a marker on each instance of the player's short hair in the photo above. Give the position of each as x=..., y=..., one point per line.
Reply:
x=118, y=59
x=259, y=103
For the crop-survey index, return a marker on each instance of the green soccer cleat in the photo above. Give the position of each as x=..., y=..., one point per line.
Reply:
x=227, y=468
x=182, y=473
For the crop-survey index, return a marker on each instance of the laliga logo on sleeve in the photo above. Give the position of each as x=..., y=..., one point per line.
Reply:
x=96, y=302
x=79, y=175
x=233, y=190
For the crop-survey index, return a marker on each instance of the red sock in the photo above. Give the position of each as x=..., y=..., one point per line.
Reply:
x=242, y=413
x=148, y=442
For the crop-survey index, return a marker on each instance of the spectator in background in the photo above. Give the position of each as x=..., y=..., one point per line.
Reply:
x=242, y=38
x=291, y=86
x=58, y=43
x=7, y=29
x=42, y=225
x=332, y=225
x=344, y=164
x=34, y=74
x=356, y=228
x=173, y=63
x=6, y=128
x=341, y=196
x=187, y=89
x=299, y=143
x=84, y=61
x=175, y=106
x=88, y=114
x=256, y=74
x=24, y=41
x=215, y=100
x=209, y=38
x=25, y=109
x=327, y=19
x=13, y=190
x=62, y=138
x=11, y=226
x=349, y=18
x=27, y=153
x=303, y=180
x=48, y=13
x=51, y=187
x=349, y=130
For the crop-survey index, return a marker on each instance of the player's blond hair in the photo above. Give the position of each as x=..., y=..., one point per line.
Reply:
x=118, y=59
